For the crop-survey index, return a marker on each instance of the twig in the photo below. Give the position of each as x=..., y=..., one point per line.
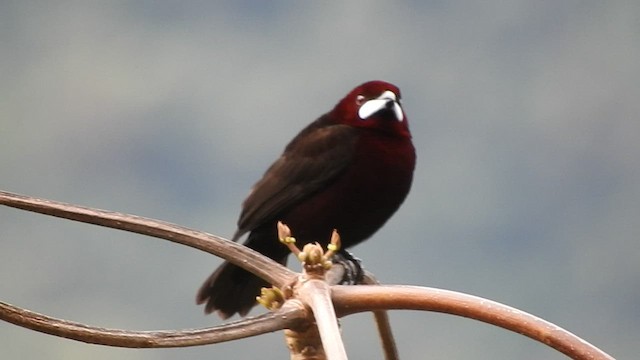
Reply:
x=313, y=290
x=381, y=318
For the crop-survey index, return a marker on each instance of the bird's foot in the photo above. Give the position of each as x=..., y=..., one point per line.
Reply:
x=353, y=270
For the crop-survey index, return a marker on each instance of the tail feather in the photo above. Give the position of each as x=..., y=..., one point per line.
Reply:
x=231, y=289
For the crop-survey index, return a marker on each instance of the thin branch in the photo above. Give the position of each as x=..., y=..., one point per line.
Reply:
x=389, y=347
x=353, y=299
x=238, y=254
x=335, y=275
x=289, y=316
x=381, y=318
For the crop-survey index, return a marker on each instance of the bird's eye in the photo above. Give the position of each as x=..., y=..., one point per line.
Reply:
x=359, y=100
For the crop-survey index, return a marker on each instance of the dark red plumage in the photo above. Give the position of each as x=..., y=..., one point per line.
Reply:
x=349, y=170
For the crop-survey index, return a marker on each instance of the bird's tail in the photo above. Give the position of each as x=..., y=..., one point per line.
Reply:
x=231, y=289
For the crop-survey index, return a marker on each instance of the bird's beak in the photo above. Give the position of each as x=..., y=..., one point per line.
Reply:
x=387, y=101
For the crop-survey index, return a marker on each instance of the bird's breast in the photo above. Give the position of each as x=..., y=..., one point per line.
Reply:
x=363, y=197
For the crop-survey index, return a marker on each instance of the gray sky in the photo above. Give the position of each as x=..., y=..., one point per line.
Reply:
x=524, y=116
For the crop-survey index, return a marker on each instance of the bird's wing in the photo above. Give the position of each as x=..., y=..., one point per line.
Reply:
x=312, y=160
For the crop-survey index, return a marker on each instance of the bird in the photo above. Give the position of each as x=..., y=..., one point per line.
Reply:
x=349, y=170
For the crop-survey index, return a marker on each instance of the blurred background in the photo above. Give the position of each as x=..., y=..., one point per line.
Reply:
x=524, y=116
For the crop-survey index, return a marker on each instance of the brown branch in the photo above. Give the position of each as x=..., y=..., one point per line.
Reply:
x=385, y=334
x=313, y=290
x=317, y=295
x=353, y=299
x=383, y=324
x=334, y=276
x=347, y=299
x=291, y=315
x=238, y=254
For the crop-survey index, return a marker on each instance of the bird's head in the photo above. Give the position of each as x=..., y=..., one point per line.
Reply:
x=373, y=105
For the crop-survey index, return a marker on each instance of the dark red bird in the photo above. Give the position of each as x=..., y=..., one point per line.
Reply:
x=349, y=170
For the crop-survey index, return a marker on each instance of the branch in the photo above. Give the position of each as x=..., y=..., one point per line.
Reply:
x=237, y=254
x=291, y=315
x=347, y=299
x=317, y=295
x=383, y=324
x=353, y=299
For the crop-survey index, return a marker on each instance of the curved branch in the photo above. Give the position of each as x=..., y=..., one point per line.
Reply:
x=238, y=254
x=353, y=299
x=289, y=316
